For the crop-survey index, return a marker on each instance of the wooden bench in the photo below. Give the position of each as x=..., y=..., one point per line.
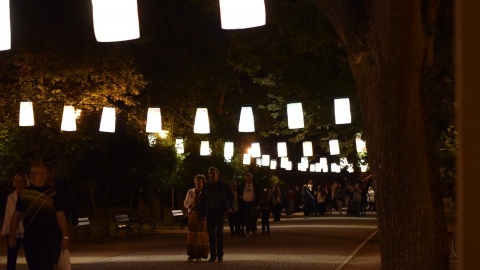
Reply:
x=123, y=222
x=138, y=217
x=85, y=228
x=177, y=218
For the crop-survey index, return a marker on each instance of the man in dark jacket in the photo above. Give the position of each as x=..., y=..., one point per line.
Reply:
x=215, y=200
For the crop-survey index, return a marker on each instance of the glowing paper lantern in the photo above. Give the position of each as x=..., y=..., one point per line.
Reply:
x=204, y=148
x=5, y=32
x=273, y=164
x=289, y=166
x=202, y=124
x=68, y=119
x=26, y=114
x=246, y=159
x=312, y=167
x=255, y=150
x=282, y=149
x=295, y=115
x=307, y=149
x=246, y=123
x=240, y=14
x=115, y=20
x=107, y=123
x=318, y=167
x=323, y=164
x=154, y=120
x=228, y=151
x=334, y=147
x=284, y=162
x=265, y=160
x=360, y=145
x=179, y=146
x=342, y=111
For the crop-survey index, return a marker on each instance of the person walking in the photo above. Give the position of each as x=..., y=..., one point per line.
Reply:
x=197, y=238
x=265, y=209
x=233, y=217
x=215, y=199
x=43, y=214
x=249, y=195
x=276, y=198
x=20, y=181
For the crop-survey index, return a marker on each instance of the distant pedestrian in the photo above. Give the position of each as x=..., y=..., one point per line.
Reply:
x=371, y=199
x=215, y=200
x=249, y=195
x=265, y=209
x=233, y=217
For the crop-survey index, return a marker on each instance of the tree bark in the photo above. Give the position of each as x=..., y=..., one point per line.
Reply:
x=388, y=63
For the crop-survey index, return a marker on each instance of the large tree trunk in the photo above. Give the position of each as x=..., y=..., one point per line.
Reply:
x=388, y=63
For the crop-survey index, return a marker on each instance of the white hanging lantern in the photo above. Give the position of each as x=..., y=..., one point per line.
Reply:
x=360, y=145
x=246, y=123
x=282, y=149
x=289, y=166
x=363, y=168
x=241, y=14
x=115, y=20
x=283, y=162
x=247, y=159
x=255, y=150
x=265, y=160
x=154, y=120
x=301, y=167
x=307, y=149
x=205, y=148
x=273, y=164
x=202, y=124
x=107, y=123
x=312, y=167
x=26, y=114
x=304, y=161
x=228, y=151
x=259, y=162
x=334, y=147
x=342, y=111
x=318, y=167
x=68, y=119
x=295, y=115
x=335, y=167
x=5, y=32
x=323, y=164
x=179, y=146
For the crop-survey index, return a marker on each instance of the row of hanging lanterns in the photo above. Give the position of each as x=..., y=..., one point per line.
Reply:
x=117, y=20
x=201, y=125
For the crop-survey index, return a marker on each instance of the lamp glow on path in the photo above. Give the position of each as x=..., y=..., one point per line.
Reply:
x=5, y=32
x=342, y=111
x=295, y=115
x=282, y=149
x=205, y=148
x=68, y=119
x=115, y=20
x=179, y=146
x=246, y=123
x=154, y=120
x=107, y=123
x=307, y=149
x=241, y=14
x=26, y=114
x=202, y=123
x=334, y=147
x=273, y=164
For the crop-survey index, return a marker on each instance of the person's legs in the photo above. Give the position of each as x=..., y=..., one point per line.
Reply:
x=12, y=254
x=211, y=223
x=220, y=222
x=39, y=248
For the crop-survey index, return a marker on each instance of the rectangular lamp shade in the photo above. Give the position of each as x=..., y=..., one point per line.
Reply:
x=202, y=123
x=363, y=168
x=304, y=161
x=241, y=14
x=179, y=146
x=342, y=111
x=115, y=20
x=107, y=123
x=26, y=114
x=68, y=119
x=307, y=149
x=295, y=115
x=335, y=167
x=258, y=162
x=255, y=150
x=205, y=148
x=302, y=167
x=323, y=164
x=289, y=166
x=334, y=147
x=273, y=164
x=228, y=150
x=283, y=162
x=282, y=149
x=246, y=123
x=5, y=32
x=154, y=120
x=312, y=167
x=318, y=167
x=247, y=159
x=360, y=145
x=265, y=160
